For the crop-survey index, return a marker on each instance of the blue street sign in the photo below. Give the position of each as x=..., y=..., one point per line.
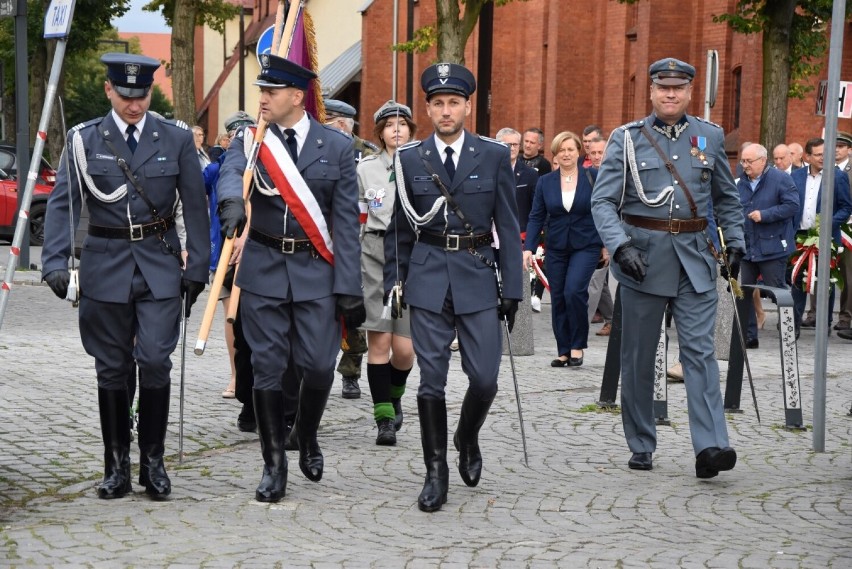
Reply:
x=264, y=42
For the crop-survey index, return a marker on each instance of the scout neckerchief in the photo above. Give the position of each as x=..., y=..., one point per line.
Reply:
x=296, y=193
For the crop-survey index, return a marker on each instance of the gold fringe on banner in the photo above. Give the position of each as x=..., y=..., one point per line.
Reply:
x=311, y=39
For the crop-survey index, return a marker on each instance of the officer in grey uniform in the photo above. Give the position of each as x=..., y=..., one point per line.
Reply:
x=341, y=115
x=650, y=205
x=292, y=276
x=445, y=263
x=127, y=166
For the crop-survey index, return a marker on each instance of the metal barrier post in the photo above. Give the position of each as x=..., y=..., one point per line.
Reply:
x=790, y=384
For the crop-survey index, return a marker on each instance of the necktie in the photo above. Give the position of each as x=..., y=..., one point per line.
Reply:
x=449, y=164
x=292, y=147
x=131, y=140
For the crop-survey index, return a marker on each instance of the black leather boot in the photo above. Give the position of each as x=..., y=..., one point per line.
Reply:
x=433, y=436
x=269, y=409
x=153, y=420
x=115, y=427
x=466, y=440
x=311, y=407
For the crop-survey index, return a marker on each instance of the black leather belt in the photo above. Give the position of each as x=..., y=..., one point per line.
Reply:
x=134, y=232
x=671, y=225
x=455, y=242
x=286, y=245
x=379, y=232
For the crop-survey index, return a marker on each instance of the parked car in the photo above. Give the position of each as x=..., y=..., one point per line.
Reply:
x=9, y=205
x=9, y=164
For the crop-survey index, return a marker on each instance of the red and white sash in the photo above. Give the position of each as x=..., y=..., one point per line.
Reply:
x=296, y=193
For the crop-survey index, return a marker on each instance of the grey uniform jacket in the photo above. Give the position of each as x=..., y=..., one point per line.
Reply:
x=706, y=174
x=484, y=189
x=165, y=160
x=325, y=162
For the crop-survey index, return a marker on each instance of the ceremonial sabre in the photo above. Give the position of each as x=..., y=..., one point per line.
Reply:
x=736, y=292
x=184, y=306
x=512, y=362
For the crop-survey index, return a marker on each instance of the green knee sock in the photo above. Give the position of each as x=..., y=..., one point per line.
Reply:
x=398, y=379
x=383, y=411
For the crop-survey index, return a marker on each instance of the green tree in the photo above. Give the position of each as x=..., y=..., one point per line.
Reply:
x=91, y=19
x=183, y=16
x=794, y=39
x=452, y=29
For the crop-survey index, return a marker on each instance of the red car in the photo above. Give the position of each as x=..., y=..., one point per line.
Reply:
x=9, y=197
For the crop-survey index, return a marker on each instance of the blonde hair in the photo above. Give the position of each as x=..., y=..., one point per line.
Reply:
x=556, y=145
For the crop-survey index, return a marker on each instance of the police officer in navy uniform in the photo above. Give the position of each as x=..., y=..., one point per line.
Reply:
x=293, y=276
x=655, y=222
x=131, y=273
x=443, y=264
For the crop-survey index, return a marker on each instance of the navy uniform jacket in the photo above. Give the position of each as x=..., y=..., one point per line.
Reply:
x=708, y=178
x=484, y=189
x=165, y=161
x=325, y=162
x=573, y=229
x=842, y=203
x=525, y=181
x=777, y=199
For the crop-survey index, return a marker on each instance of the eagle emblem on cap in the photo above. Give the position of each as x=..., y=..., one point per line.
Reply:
x=672, y=64
x=132, y=69
x=264, y=60
x=443, y=70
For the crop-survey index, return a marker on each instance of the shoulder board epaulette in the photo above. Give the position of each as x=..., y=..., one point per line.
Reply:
x=176, y=122
x=408, y=145
x=705, y=121
x=634, y=124
x=369, y=157
x=83, y=125
x=494, y=140
x=372, y=146
x=338, y=131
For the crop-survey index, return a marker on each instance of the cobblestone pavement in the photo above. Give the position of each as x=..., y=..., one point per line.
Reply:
x=576, y=505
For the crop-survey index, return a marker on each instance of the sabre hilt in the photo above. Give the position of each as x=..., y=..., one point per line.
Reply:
x=723, y=260
x=393, y=307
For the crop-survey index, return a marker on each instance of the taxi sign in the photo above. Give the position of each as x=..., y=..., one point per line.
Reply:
x=57, y=18
x=844, y=99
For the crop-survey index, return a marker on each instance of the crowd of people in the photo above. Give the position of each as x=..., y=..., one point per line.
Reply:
x=407, y=248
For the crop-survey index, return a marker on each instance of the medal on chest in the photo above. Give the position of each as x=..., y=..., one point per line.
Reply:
x=699, y=145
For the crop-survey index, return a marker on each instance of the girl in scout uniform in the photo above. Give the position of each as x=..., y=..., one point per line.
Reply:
x=390, y=354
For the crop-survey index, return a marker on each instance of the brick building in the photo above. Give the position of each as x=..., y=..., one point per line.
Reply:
x=563, y=64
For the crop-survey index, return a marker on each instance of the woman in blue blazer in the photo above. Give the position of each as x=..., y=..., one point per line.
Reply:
x=562, y=206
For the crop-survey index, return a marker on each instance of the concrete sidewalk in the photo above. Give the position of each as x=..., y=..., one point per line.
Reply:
x=577, y=505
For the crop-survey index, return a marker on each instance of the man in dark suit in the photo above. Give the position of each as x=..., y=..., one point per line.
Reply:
x=127, y=166
x=293, y=278
x=808, y=181
x=441, y=251
x=770, y=201
x=650, y=205
x=525, y=177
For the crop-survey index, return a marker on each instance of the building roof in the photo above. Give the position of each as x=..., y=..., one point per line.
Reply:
x=335, y=76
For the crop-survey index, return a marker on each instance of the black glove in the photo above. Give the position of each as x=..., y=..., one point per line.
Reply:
x=58, y=282
x=351, y=309
x=232, y=216
x=506, y=311
x=396, y=309
x=192, y=289
x=735, y=257
x=631, y=261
